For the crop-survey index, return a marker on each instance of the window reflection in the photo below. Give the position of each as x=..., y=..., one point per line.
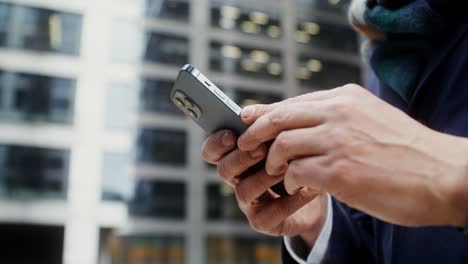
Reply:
x=162, y=146
x=139, y=249
x=29, y=172
x=117, y=181
x=32, y=97
x=246, y=19
x=317, y=73
x=326, y=36
x=222, y=203
x=133, y=44
x=228, y=249
x=251, y=62
x=177, y=10
x=39, y=29
x=339, y=7
x=159, y=199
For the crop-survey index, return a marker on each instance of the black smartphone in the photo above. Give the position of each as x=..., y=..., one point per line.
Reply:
x=210, y=107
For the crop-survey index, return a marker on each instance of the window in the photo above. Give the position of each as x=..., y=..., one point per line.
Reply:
x=177, y=10
x=121, y=101
x=244, y=97
x=339, y=7
x=326, y=36
x=155, y=97
x=39, y=29
x=30, y=97
x=138, y=249
x=30, y=172
x=317, y=73
x=222, y=203
x=246, y=61
x=158, y=199
x=228, y=249
x=162, y=146
x=117, y=182
x=254, y=21
x=24, y=243
x=132, y=44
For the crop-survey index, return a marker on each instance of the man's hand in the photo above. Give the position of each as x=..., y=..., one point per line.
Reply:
x=300, y=214
x=364, y=152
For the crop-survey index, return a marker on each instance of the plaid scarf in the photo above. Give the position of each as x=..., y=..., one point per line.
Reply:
x=401, y=39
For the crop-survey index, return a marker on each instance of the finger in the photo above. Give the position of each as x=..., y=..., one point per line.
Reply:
x=276, y=212
x=296, y=143
x=249, y=189
x=311, y=172
x=217, y=145
x=237, y=162
x=287, y=117
x=251, y=113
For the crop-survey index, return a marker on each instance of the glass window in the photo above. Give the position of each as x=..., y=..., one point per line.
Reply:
x=159, y=199
x=317, y=73
x=121, y=101
x=222, y=203
x=117, y=181
x=339, y=7
x=327, y=36
x=31, y=243
x=228, y=249
x=39, y=29
x=246, y=61
x=133, y=44
x=32, y=97
x=177, y=10
x=244, y=97
x=162, y=146
x=262, y=22
x=29, y=172
x=155, y=97
x=139, y=249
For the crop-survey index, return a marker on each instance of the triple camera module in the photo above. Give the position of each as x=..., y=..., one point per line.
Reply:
x=186, y=105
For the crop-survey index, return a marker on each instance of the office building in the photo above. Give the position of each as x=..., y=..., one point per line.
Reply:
x=97, y=165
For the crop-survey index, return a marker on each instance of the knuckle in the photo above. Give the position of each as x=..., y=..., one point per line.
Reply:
x=282, y=142
x=256, y=224
x=276, y=118
x=241, y=193
x=296, y=168
x=223, y=170
x=339, y=169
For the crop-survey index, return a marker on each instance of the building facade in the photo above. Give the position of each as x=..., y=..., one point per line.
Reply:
x=98, y=166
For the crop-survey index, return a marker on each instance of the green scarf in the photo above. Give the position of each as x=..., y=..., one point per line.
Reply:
x=401, y=39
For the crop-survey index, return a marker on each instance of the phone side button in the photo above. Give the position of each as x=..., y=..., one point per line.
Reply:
x=233, y=106
x=219, y=93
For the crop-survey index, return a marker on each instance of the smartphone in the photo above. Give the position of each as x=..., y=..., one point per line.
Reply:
x=209, y=107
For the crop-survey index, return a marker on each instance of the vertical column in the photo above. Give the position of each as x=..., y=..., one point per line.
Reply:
x=288, y=20
x=81, y=230
x=199, y=54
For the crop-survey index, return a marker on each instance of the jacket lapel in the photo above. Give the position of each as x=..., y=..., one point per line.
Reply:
x=436, y=61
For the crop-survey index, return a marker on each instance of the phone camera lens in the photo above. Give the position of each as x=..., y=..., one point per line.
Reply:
x=179, y=103
x=192, y=114
x=188, y=103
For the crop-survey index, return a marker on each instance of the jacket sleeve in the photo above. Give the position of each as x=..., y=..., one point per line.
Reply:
x=351, y=237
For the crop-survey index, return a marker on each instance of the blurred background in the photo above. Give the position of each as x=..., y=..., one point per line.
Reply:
x=97, y=165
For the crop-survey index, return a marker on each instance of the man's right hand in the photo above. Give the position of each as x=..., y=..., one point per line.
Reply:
x=300, y=214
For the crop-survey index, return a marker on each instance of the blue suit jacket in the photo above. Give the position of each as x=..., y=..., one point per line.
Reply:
x=441, y=103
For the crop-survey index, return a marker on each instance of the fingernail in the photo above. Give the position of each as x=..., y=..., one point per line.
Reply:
x=259, y=152
x=280, y=170
x=248, y=112
x=227, y=139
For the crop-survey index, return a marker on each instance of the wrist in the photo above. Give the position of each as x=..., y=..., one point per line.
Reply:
x=311, y=235
x=458, y=193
